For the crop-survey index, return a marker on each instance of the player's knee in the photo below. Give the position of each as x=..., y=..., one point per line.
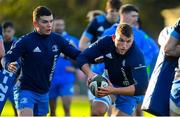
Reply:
x=99, y=109
x=25, y=112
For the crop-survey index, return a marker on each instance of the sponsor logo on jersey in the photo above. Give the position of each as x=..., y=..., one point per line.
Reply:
x=37, y=49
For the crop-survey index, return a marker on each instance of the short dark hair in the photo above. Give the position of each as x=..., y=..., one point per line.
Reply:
x=114, y=4
x=41, y=11
x=7, y=24
x=124, y=29
x=128, y=8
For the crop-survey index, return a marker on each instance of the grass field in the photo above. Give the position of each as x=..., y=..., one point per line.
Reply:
x=80, y=107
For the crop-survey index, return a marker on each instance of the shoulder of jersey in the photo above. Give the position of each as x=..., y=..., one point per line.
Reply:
x=100, y=18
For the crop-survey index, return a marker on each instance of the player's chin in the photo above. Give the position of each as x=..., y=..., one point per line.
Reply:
x=48, y=33
x=122, y=52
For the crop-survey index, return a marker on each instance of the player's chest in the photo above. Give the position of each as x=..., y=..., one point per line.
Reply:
x=40, y=49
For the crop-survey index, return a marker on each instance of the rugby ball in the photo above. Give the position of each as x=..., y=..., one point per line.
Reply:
x=97, y=81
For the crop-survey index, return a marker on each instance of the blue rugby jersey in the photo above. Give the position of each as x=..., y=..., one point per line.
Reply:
x=96, y=28
x=123, y=70
x=39, y=54
x=63, y=75
x=157, y=96
x=8, y=44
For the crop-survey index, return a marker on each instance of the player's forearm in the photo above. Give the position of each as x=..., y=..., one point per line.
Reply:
x=130, y=90
x=2, y=51
x=70, y=69
x=86, y=69
x=5, y=63
x=84, y=43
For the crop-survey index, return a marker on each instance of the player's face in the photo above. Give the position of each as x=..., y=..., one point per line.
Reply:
x=130, y=18
x=112, y=15
x=59, y=26
x=8, y=33
x=122, y=43
x=44, y=25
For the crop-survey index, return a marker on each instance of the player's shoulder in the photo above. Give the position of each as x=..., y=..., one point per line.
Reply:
x=135, y=52
x=106, y=40
x=25, y=38
x=100, y=18
x=164, y=35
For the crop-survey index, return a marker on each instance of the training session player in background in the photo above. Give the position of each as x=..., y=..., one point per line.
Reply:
x=62, y=84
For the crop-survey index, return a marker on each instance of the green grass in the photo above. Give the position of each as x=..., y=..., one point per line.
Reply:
x=80, y=107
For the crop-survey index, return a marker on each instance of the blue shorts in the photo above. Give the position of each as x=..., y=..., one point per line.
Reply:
x=175, y=97
x=61, y=89
x=11, y=96
x=140, y=99
x=126, y=104
x=35, y=101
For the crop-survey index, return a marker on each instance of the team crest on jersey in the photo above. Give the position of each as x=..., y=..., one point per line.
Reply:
x=54, y=48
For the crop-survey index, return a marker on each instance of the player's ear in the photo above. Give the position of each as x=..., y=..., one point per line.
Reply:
x=35, y=23
x=113, y=37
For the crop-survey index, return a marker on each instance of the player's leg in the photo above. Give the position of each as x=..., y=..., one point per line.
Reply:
x=41, y=106
x=124, y=105
x=66, y=92
x=11, y=98
x=66, y=100
x=25, y=112
x=101, y=105
x=53, y=94
x=138, y=111
x=90, y=97
x=52, y=105
x=24, y=102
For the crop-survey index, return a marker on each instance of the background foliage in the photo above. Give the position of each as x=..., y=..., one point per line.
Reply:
x=74, y=12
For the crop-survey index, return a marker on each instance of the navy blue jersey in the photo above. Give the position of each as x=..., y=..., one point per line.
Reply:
x=177, y=26
x=123, y=70
x=157, y=96
x=96, y=28
x=39, y=54
x=8, y=44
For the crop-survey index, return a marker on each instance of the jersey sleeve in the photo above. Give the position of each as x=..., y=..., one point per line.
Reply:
x=68, y=49
x=110, y=31
x=91, y=29
x=90, y=54
x=176, y=30
x=139, y=74
x=17, y=50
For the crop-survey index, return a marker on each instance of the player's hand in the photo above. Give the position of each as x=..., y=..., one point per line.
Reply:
x=105, y=91
x=13, y=67
x=91, y=75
